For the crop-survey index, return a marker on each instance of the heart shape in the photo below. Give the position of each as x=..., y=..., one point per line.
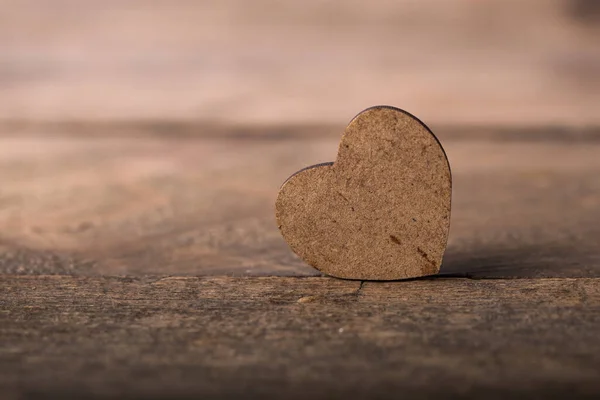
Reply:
x=381, y=211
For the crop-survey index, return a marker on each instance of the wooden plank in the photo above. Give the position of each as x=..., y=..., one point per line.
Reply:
x=98, y=337
x=127, y=203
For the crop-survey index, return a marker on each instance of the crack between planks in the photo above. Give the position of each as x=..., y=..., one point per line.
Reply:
x=357, y=293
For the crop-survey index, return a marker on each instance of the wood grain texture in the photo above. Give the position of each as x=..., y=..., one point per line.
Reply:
x=381, y=211
x=218, y=337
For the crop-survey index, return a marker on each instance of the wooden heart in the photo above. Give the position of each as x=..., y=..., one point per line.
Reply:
x=381, y=211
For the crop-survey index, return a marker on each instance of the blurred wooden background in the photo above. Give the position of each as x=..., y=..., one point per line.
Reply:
x=264, y=61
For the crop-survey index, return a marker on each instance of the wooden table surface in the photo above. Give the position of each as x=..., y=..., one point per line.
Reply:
x=143, y=260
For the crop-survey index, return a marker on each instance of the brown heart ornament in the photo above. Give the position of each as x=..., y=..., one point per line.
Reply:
x=381, y=211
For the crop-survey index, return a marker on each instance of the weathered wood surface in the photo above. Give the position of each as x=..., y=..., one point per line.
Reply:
x=219, y=337
x=106, y=228
x=85, y=207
